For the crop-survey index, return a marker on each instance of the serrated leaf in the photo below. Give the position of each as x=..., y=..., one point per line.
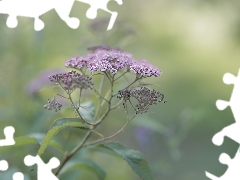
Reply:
x=87, y=111
x=57, y=126
x=40, y=136
x=86, y=165
x=134, y=158
x=56, y=145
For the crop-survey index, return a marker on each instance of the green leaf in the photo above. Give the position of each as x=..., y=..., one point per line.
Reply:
x=40, y=136
x=58, y=146
x=57, y=126
x=134, y=158
x=19, y=141
x=84, y=164
x=31, y=139
x=87, y=111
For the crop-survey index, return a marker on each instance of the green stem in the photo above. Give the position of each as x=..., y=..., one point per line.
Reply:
x=61, y=96
x=110, y=137
x=68, y=156
x=120, y=76
x=80, y=94
x=128, y=86
x=116, y=105
x=99, y=97
x=94, y=125
x=109, y=104
x=78, y=113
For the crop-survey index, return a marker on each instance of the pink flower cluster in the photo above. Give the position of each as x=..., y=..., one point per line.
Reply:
x=76, y=62
x=143, y=68
x=72, y=80
x=112, y=60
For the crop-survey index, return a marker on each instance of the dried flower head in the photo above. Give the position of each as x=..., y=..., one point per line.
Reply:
x=72, y=80
x=145, y=69
x=53, y=105
x=124, y=94
x=144, y=96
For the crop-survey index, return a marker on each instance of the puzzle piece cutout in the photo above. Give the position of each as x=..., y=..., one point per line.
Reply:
x=4, y=167
x=18, y=176
x=233, y=172
x=101, y=4
x=234, y=102
x=9, y=140
x=36, y=8
x=232, y=131
x=44, y=170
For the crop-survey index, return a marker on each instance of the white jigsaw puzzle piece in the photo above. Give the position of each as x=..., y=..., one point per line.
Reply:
x=9, y=140
x=44, y=171
x=3, y=165
x=234, y=101
x=232, y=172
x=101, y=4
x=232, y=131
x=36, y=8
x=18, y=176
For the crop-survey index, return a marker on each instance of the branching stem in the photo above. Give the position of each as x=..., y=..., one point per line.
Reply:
x=109, y=137
x=99, y=98
x=78, y=113
x=95, y=124
x=69, y=155
x=120, y=76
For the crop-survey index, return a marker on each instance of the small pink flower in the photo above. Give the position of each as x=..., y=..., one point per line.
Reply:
x=142, y=67
x=72, y=80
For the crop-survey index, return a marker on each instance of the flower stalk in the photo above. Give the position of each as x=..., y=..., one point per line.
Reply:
x=107, y=63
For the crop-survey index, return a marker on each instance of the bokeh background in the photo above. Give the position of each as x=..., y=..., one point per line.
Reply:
x=193, y=43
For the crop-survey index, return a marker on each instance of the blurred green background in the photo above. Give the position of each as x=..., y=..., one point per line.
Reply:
x=192, y=42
